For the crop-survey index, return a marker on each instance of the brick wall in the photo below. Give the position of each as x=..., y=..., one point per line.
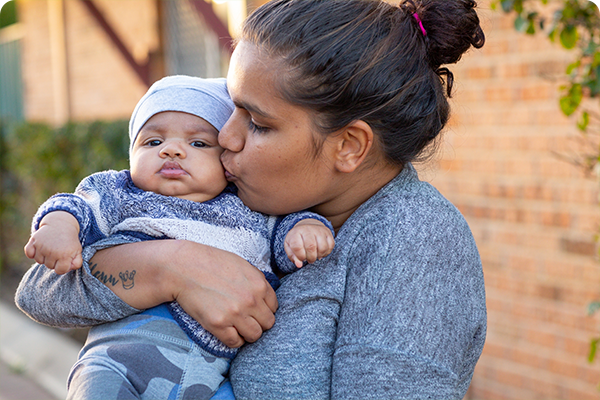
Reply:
x=101, y=79
x=100, y=85
x=533, y=214
x=35, y=60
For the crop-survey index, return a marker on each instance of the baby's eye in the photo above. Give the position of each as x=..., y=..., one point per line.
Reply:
x=154, y=143
x=199, y=144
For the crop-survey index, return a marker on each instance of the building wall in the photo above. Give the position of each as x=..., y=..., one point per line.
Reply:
x=103, y=84
x=533, y=214
x=35, y=53
x=71, y=69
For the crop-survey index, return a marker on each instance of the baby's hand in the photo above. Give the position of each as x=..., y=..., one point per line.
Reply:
x=309, y=240
x=56, y=243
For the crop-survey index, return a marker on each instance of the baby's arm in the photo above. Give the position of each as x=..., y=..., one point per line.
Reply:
x=56, y=243
x=309, y=240
x=66, y=222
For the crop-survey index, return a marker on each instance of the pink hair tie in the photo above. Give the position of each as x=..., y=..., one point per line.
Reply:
x=420, y=24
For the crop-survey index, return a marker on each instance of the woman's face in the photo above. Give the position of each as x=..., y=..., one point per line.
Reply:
x=270, y=151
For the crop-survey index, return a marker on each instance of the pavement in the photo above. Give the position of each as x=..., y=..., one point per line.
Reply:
x=34, y=359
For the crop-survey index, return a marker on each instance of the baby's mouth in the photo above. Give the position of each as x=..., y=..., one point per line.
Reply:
x=172, y=169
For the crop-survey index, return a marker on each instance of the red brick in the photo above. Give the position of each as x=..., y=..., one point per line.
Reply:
x=517, y=70
x=480, y=72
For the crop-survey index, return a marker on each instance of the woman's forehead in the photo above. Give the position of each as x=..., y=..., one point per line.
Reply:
x=253, y=80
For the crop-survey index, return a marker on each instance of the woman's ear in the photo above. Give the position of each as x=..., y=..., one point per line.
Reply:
x=354, y=143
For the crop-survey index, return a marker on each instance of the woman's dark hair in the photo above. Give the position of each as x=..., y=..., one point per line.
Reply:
x=369, y=60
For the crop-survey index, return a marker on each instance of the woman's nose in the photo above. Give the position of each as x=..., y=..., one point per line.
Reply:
x=231, y=136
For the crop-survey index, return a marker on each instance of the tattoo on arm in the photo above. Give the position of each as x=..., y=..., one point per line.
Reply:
x=102, y=277
x=127, y=278
x=110, y=280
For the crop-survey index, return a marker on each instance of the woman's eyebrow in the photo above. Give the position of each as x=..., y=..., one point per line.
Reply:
x=252, y=108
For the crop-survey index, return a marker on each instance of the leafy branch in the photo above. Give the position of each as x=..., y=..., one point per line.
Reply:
x=574, y=24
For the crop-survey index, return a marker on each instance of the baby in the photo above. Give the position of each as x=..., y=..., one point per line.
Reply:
x=175, y=189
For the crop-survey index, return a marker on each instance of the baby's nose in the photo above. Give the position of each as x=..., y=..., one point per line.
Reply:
x=173, y=150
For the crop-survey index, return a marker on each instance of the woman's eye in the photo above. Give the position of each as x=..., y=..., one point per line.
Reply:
x=198, y=144
x=257, y=128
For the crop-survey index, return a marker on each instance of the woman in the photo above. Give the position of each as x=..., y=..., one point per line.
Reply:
x=333, y=99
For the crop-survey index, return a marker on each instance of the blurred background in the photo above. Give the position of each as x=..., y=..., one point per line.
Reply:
x=519, y=157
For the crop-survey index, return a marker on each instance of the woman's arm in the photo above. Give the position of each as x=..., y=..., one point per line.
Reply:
x=413, y=322
x=228, y=296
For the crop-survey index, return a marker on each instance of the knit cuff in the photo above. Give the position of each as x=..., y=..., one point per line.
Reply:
x=74, y=205
x=282, y=228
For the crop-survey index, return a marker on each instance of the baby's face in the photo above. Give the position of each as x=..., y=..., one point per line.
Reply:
x=177, y=154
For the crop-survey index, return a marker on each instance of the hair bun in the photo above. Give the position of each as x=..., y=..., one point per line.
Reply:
x=452, y=27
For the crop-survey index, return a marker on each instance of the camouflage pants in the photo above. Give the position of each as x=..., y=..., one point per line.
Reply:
x=144, y=356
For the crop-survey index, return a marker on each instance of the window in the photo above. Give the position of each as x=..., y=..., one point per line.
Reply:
x=11, y=88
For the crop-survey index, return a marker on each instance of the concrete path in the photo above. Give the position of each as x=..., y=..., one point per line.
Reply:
x=34, y=359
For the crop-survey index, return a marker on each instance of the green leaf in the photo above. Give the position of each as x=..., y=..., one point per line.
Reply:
x=593, y=348
x=552, y=34
x=594, y=84
x=583, y=123
x=568, y=37
x=596, y=60
x=518, y=6
x=570, y=102
x=572, y=67
x=520, y=23
x=531, y=18
x=568, y=12
x=530, y=27
x=507, y=5
x=590, y=49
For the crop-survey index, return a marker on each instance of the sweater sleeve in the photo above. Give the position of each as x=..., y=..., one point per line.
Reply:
x=76, y=206
x=282, y=227
x=96, y=204
x=413, y=320
x=77, y=298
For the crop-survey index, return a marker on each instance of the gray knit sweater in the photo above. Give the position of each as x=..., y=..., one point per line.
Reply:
x=397, y=311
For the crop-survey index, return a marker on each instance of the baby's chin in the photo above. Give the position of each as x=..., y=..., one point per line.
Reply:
x=196, y=197
x=177, y=188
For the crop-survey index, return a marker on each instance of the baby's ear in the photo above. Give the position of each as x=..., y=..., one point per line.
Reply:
x=354, y=143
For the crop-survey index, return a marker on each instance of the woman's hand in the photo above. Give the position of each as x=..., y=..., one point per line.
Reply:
x=229, y=297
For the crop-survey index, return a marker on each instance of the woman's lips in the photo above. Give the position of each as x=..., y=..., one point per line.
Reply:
x=229, y=176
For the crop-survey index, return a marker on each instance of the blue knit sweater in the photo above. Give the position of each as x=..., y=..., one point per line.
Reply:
x=111, y=210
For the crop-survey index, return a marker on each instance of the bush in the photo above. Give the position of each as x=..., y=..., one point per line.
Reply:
x=38, y=161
